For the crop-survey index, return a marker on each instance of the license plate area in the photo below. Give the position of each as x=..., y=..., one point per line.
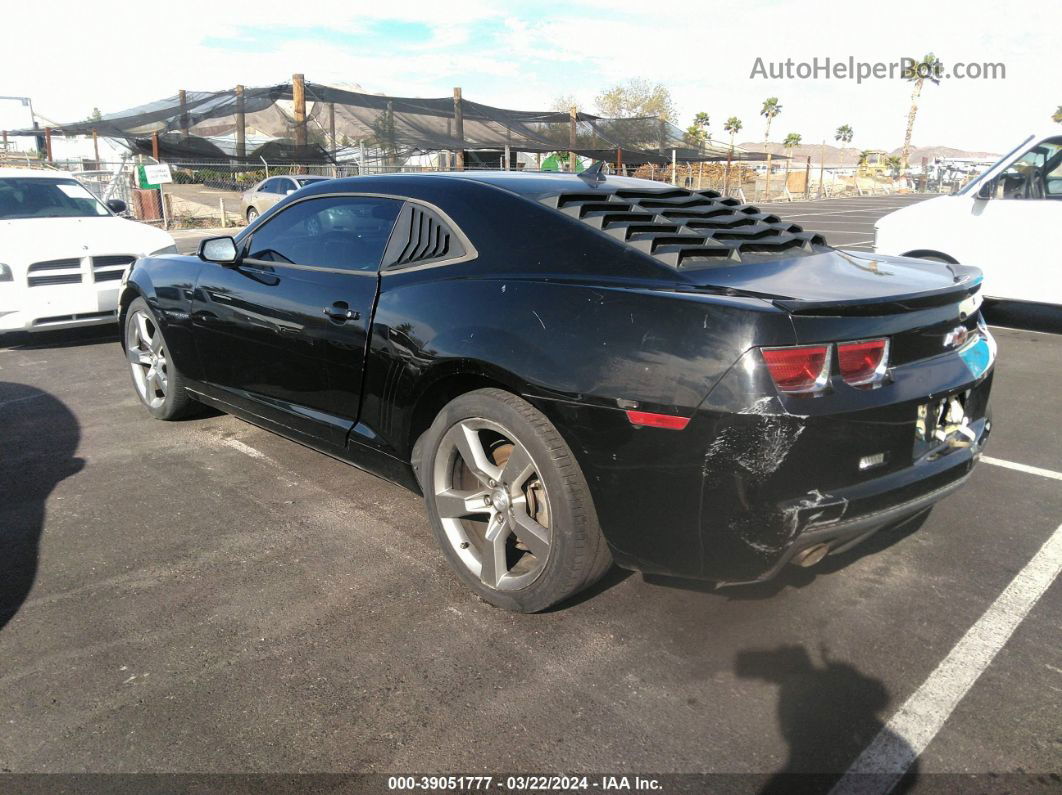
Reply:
x=943, y=423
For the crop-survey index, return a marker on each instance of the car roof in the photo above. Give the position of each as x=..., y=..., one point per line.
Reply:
x=32, y=173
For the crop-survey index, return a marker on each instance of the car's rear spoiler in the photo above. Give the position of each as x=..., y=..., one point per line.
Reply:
x=964, y=287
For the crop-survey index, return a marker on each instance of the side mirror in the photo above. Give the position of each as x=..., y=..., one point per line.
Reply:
x=987, y=189
x=116, y=206
x=221, y=250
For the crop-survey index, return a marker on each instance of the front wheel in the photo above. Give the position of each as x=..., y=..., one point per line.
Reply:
x=158, y=383
x=252, y=214
x=509, y=505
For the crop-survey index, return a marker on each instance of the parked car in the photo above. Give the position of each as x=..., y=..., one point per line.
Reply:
x=576, y=370
x=999, y=222
x=63, y=251
x=269, y=191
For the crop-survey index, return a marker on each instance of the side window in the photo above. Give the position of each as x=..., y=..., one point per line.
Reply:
x=344, y=232
x=1035, y=175
x=269, y=186
x=288, y=185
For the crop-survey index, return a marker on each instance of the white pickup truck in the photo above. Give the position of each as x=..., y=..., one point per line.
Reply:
x=1007, y=222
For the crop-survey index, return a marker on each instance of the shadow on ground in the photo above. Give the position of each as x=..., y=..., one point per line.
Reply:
x=38, y=438
x=827, y=714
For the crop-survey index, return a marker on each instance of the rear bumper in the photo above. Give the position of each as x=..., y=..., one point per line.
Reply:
x=738, y=494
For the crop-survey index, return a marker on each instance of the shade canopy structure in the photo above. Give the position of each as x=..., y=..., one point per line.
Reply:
x=235, y=124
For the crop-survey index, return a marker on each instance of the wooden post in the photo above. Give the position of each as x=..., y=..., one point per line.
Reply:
x=48, y=143
x=925, y=175
x=241, y=125
x=155, y=145
x=183, y=101
x=332, y=128
x=5, y=140
x=95, y=146
x=822, y=167
x=573, y=137
x=298, y=96
x=807, y=178
x=459, y=128
x=674, y=168
x=619, y=159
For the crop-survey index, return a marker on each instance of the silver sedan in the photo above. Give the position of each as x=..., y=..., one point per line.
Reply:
x=269, y=191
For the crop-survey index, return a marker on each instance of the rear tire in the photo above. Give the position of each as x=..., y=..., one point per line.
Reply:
x=517, y=524
x=158, y=384
x=252, y=214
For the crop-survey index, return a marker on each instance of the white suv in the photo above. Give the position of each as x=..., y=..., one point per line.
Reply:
x=1007, y=222
x=63, y=252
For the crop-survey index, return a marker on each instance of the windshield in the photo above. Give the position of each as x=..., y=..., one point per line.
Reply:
x=47, y=197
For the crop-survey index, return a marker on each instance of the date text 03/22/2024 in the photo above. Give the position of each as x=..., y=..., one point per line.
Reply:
x=521, y=783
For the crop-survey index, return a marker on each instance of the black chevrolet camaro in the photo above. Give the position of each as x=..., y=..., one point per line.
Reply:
x=576, y=370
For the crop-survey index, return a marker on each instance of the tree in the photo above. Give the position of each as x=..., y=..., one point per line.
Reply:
x=97, y=116
x=635, y=98
x=1057, y=115
x=696, y=134
x=770, y=109
x=917, y=73
x=791, y=140
x=844, y=135
x=563, y=103
x=732, y=126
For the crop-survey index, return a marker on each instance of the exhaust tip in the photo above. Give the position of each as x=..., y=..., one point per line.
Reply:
x=810, y=556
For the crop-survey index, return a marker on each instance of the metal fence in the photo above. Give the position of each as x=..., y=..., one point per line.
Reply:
x=209, y=194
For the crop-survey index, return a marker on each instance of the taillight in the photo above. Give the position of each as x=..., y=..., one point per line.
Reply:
x=802, y=370
x=863, y=363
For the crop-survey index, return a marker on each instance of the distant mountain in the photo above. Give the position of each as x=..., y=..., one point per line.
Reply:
x=849, y=155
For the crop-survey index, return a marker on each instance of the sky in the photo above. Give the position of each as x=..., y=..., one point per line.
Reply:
x=524, y=55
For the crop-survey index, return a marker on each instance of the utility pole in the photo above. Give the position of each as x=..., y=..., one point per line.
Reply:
x=807, y=178
x=155, y=145
x=48, y=143
x=241, y=125
x=459, y=128
x=95, y=146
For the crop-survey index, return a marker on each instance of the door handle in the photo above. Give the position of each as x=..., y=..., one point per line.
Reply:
x=341, y=312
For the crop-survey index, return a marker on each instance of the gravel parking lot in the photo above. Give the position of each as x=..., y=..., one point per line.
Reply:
x=206, y=597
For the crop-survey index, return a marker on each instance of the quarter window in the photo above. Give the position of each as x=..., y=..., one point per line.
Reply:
x=344, y=232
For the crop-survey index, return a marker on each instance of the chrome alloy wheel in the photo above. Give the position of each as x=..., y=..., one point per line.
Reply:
x=492, y=503
x=147, y=357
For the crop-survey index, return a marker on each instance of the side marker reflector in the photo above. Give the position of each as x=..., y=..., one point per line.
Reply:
x=650, y=420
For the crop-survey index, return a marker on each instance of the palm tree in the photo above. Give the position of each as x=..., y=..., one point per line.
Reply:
x=697, y=133
x=791, y=140
x=770, y=109
x=1057, y=115
x=732, y=126
x=928, y=68
x=844, y=135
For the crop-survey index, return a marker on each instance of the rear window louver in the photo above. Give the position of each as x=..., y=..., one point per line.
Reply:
x=421, y=237
x=688, y=229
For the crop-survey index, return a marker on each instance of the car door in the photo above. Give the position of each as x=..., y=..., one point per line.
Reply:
x=270, y=192
x=1005, y=235
x=284, y=331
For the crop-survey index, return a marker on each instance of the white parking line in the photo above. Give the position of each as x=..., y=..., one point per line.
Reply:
x=907, y=734
x=246, y=449
x=1044, y=473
